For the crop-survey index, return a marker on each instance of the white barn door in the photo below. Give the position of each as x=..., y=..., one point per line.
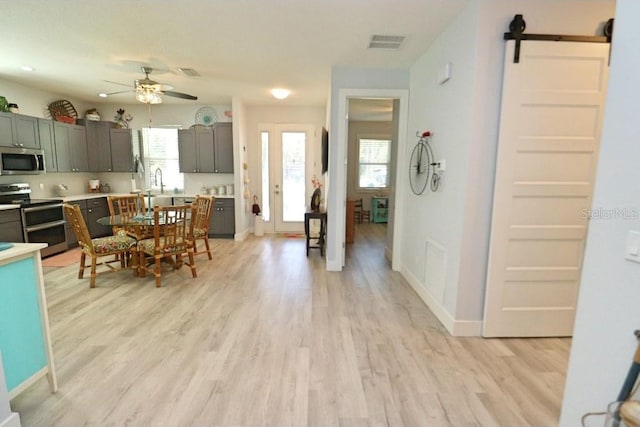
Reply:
x=552, y=110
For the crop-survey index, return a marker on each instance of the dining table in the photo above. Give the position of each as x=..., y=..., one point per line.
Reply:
x=139, y=220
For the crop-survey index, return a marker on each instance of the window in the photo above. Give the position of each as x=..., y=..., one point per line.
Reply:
x=374, y=156
x=266, y=212
x=160, y=149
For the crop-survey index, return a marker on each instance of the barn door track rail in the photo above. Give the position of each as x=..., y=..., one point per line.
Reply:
x=518, y=25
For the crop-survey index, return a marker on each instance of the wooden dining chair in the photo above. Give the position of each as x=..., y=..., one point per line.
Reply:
x=200, y=218
x=121, y=245
x=129, y=205
x=172, y=237
x=360, y=215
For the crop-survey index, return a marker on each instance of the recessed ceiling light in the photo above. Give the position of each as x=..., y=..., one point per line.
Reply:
x=280, y=93
x=26, y=68
x=102, y=95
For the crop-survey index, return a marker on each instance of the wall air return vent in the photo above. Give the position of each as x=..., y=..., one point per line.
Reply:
x=386, y=42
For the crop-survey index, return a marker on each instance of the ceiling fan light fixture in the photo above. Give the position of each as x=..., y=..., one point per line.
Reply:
x=280, y=93
x=148, y=96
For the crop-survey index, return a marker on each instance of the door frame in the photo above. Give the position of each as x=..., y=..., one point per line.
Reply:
x=338, y=174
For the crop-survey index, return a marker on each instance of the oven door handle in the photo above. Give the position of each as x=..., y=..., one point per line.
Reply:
x=45, y=226
x=42, y=208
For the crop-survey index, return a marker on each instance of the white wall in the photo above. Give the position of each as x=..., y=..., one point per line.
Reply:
x=464, y=116
x=607, y=315
x=240, y=158
x=446, y=111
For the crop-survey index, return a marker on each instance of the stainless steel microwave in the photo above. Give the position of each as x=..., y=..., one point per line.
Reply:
x=21, y=161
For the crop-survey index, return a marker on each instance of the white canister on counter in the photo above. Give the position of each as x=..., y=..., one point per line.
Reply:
x=222, y=190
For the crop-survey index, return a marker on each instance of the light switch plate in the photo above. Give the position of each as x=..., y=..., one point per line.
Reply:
x=632, y=251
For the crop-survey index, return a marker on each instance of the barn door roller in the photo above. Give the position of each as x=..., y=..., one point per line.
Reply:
x=518, y=25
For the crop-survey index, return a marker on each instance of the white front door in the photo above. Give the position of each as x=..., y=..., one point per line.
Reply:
x=285, y=150
x=550, y=124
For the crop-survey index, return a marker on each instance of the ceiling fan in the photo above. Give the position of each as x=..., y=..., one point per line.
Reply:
x=149, y=91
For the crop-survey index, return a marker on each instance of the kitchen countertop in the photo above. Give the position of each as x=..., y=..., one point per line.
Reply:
x=98, y=195
x=8, y=206
x=19, y=249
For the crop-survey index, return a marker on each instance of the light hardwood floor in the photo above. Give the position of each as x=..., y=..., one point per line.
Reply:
x=265, y=336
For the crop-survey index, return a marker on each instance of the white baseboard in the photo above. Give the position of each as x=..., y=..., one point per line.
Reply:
x=13, y=420
x=457, y=328
x=239, y=237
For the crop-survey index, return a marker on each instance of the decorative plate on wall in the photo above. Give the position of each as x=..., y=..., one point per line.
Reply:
x=206, y=116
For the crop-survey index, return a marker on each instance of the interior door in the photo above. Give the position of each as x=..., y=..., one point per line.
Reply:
x=285, y=156
x=550, y=125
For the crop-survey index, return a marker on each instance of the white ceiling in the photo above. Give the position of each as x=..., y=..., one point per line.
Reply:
x=240, y=48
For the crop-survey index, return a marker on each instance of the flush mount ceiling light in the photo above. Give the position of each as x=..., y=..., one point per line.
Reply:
x=26, y=68
x=103, y=95
x=280, y=93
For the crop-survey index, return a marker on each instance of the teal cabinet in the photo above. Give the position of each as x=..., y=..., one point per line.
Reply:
x=379, y=209
x=24, y=328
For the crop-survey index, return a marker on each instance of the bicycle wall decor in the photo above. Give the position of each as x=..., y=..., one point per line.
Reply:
x=422, y=165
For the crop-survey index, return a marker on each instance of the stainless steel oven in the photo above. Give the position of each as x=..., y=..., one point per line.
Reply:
x=42, y=220
x=44, y=223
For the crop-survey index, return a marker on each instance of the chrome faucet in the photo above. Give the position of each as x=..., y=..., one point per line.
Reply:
x=155, y=178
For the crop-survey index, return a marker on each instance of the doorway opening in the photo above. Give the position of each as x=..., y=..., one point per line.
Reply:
x=371, y=160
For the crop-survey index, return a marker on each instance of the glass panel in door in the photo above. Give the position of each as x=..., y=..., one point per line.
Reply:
x=293, y=176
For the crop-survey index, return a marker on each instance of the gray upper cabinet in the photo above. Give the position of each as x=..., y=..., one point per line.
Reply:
x=121, y=150
x=17, y=130
x=47, y=143
x=223, y=146
x=71, y=147
x=196, y=151
x=98, y=146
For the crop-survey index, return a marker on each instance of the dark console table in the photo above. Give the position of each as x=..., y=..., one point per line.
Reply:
x=322, y=216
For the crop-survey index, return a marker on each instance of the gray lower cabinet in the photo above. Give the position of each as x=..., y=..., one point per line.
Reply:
x=97, y=208
x=47, y=143
x=223, y=218
x=91, y=209
x=71, y=147
x=11, y=226
x=223, y=147
x=17, y=130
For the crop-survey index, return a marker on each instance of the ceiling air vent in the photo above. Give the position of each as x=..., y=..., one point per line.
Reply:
x=386, y=42
x=189, y=72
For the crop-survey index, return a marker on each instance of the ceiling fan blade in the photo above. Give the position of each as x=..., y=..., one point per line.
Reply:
x=120, y=91
x=180, y=95
x=117, y=83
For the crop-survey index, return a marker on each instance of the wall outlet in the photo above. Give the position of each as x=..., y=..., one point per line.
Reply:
x=41, y=186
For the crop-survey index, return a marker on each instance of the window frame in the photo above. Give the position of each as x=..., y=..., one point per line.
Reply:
x=146, y=159
x=379, y=137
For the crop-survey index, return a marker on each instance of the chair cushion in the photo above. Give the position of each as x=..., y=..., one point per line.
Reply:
x=149, y=245
x=111, y=244
x=199, y=232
